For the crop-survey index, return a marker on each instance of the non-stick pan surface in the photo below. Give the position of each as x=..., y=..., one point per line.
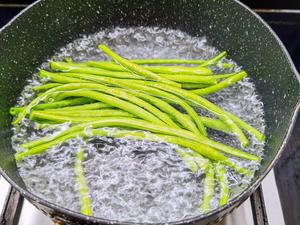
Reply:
x=47, y=25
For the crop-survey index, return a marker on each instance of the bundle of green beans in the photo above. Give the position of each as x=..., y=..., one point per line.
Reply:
x=141, y=95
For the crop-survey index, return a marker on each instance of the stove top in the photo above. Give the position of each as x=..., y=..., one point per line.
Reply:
x=283, y=183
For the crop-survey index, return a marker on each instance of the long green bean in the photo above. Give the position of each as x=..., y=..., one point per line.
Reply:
x=68, y=102
x=214, y=124
x=92, y=106
x=110, y=100
x=214, y=60
x=175, y=61
x=194, y=161
x=82, y=185
x=190, y=86
x=156, y=69
x=155, y=91
x=161, y=116
x=201, y=149
x=133, y=104
x=135, y=67
x=191, y=79
x=223, y=183
x=91, y=113
x=62, y=117
x=186, y=122
x=77, y=68
x=15, y=110
x=223, y=84
x=45, y=87
x=61, y=79
x=205, y=104
x=148, y=126
x=209, y=189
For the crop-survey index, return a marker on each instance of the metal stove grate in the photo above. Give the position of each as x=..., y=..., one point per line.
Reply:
x=14, y=206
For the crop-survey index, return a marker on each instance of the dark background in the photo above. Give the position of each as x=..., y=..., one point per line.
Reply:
x=285, y=21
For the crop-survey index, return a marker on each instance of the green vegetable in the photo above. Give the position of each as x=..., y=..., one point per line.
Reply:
x=80, y=116
x=61, y=79
x=141, y=125
x=160, y=116
x=136, y=68
x=68, y=102
x=92, y=106
x=189, y=86
x=41, y=146
x=45, y=87
x=223, y=183
x=192, y=160
x=209, y=189
x=215, y=124
x=77, y=68
x=160, y=93
x=227, y=82
x=15, y=110
x=155, y=69
x=214, y=60
x=204, y=104
x=175, y=61
x=186, y=122
x=153, y=114
x=82, y=185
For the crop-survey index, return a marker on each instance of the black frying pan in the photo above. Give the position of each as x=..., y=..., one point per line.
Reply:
x=43, y=28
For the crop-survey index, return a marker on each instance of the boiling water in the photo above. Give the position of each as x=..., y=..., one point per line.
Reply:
x=136, y=181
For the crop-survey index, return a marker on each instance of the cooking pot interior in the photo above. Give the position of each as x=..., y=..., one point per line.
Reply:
x=40, y=31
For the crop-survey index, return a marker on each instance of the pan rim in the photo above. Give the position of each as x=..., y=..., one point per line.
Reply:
x=234, y=202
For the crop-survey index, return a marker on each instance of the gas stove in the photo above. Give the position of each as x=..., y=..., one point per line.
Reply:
x=275, y=202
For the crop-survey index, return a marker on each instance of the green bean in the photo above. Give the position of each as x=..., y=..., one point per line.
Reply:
x=45, y=87
x=77, y=68
x=68, y=102
x=82, y=185
x=108, y=99
x=191, y=78
x=188, y=160
x=60, y=79
x=209, y=189
x=133, y=104
x=15, y=110
x=119, y=122
x=189, y=86
x=91, y=113
x=135, y=84
x=136, y=68
x=62, y=117
x=223, y=84
x=199, y=148
x=175, y=61
x=167, y=96
x=93, y=106
x=180, y=70
x=223, y=183
x=194, y=162
x=144, y=125
x=205, y=104
x=164, y=106
x=160, y=116
x=214, y=60
x=156, y=69
x=215, y=124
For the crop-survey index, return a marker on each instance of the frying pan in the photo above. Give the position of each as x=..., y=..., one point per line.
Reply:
x=40, y=30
